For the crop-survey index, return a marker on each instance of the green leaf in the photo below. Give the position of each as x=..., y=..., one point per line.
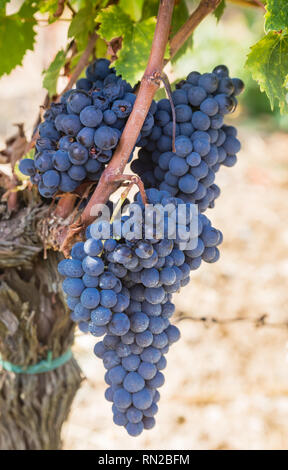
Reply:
x=114, y=23
x=136, y=41
x=134, y=55
x=85, y=16
x=50, y=7
x=276, y=17
x=180, y=16
x=52, y=73
x=16, y=37
x=268, y=64
x=188, y=45
x=150, y=8
x=218, y=13
x=3, y=4
x=133, y=8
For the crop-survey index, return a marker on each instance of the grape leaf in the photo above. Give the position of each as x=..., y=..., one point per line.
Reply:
x=3, y=4
x=52, y=73
x=133, y=57
x=137, y=39
x=16, y=37
x=268, y=64
x=150, y=9
x=180, y=15
x=218, y=13
x=85, y=16
x=114, y=23
x=133, y=8
x=50, y=7
x=276, y=17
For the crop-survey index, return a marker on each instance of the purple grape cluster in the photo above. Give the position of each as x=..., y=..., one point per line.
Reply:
x=79, y=134
x=203, y=142
x=122, y=290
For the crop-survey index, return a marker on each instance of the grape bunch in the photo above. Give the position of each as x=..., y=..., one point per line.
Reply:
x=203, y=142
x=78, y=134
x=122, y=289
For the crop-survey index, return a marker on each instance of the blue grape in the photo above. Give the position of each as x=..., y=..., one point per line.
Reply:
x=200, y=121
x=93, y=266
x=73, y=286
x=183, y=145
x=183, y=113
x=209, y=106
x=133, y=382
x=154, y=295
x=91, y=116
x=119, y=324
x=156, y=325
x=93, y=247
x=110, y=359
x=148, y=423
x=209, y=82
x=27, y=167
x=108, y=298
x=76, y=172
x=134, y=415
x=116, y=375
x=122, y=398
x=61, y=160
x=173, y=333
x=188, y=183
x=70, y=268
x=144, y=339
x=106, y=137
x=139, y=322
x=78, y=100
x=134, y=429
x=142, y=399
x=90, y=297
x=151, y=354
x=101, y=316
x=86, y=137
x=78, y=154
x=178, y=166
x=131, y=362
x=147, y=370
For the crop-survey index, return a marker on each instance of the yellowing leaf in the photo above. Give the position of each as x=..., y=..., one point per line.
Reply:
x=268, y=64
x=133, y=8
x=276, y=17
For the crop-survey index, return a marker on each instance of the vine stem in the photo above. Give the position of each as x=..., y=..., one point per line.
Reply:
x=204, y=8
x=108, y=182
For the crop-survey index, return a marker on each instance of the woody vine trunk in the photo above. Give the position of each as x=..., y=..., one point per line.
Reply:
x=33, y=321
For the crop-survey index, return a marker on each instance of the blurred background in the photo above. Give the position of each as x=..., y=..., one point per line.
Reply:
x=226, y=380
